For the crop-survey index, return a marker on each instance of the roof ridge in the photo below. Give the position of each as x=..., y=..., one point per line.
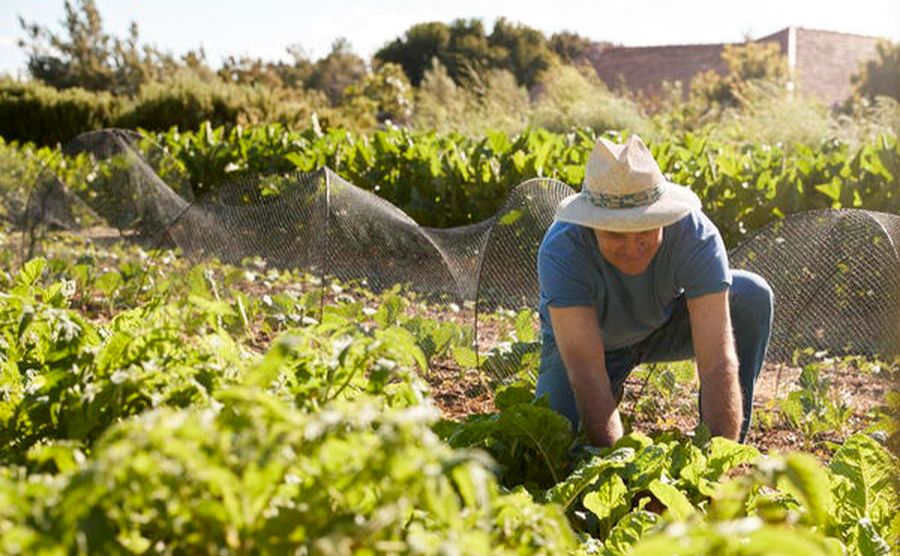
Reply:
x=722, y=44
x=839, y=32
x=647, y=47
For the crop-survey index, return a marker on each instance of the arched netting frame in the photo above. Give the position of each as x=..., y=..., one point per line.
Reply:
x=835, y=273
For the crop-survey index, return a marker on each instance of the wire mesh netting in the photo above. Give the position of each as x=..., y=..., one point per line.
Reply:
x=835, y=274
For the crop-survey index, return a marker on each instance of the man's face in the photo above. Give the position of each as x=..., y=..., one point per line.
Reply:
x=630, y=252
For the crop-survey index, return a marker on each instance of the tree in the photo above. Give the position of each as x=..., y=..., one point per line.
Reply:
x=881, y=76
x=84, y=55
x=389, y=89
x=520, y=49
x=81, y=58
x=571, y=47
x=414, y=52
x=340, y=69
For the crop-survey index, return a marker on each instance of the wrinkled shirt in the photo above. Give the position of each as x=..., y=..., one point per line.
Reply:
x=691, y=261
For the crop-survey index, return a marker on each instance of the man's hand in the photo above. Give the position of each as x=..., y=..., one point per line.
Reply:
x=581, y=347
x=717, y=364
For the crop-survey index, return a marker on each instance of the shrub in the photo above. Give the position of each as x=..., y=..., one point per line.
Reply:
x=771, y=114
x=32, y=111
x=184, y=100
x=569, y=96
x=492, y=101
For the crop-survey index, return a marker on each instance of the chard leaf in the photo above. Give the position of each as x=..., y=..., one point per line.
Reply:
x=609, y=497
x=725, y=455
x=568, y=491
x=677, y=503
x=629, y=530
x=869, y=489
x=810, y=481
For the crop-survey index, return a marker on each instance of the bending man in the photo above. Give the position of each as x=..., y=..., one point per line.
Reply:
x=632, y=271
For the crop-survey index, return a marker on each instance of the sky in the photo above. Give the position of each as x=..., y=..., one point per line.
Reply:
x=265, y=28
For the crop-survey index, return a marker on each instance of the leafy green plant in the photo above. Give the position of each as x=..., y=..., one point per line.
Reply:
x=814, y=408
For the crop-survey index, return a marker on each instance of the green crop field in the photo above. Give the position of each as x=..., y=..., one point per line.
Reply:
x=152, y=405
x=151, y=402
x=289, y=306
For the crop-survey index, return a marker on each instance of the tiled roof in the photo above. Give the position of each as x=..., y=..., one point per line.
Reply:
x=823, y=62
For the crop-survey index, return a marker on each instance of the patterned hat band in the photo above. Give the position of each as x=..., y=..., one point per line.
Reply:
x=628, y=200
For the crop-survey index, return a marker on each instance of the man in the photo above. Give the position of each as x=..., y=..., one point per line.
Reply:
x=632, y=271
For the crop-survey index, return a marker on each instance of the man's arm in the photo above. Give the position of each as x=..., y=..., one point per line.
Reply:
x=580, y=344
x=717, y=364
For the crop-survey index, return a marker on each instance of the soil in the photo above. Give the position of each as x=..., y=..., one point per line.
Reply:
x=461, y=394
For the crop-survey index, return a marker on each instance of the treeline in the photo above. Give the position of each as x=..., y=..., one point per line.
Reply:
x=446, y=77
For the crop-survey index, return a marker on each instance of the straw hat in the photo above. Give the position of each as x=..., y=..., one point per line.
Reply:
x=625, y=191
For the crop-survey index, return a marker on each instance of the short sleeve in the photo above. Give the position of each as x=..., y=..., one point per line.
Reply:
x=702, y=266
x=564, y=271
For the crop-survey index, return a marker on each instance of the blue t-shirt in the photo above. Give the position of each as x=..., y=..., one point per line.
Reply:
x=691, y=261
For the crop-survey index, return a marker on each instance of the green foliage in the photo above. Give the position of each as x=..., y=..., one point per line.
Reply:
x=258, y=476
x=530, y=442
x=491, y=102
x=448, y=179
x=390, y=90
x=575, y=96
x=747, y=63
x=196, y=446
x=337, y=71
x=31, y=111
x=139, y=412
x=184, y=100
x=773, y=114
x=464, y=48
x=522, y=50
x=814, y=408
x=85, y=56
x=571, y=47
x=881, y=76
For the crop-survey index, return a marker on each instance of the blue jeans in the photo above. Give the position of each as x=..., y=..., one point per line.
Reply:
x=751, y=303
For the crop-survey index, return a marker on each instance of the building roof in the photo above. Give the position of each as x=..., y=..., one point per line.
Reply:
x=821, y=62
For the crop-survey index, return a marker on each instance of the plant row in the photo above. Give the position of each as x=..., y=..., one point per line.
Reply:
x=450, y=180
x=143, y=412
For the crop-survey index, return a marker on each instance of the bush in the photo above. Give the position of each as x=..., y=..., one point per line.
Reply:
x=32, y=111
x=569, y=96
x=771, y=114
x=185, y=101
x=492, y=101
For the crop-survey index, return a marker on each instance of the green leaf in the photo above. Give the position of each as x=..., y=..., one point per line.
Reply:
x=510, y=217
x=869, y=489
x=508, y=396
x=543, y=430
x=679, y=506
x=868, y=541
x=30, y=273
x=389, y=310
x=811, y=482
x=629, y=530
x=608, y=497
x=778, y=541
x=724, y=455
x=525, y=330
x=465, y=357
x=831, y=189
x=401, y=344
x=567, y=492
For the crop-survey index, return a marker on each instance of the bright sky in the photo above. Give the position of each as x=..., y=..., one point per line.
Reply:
x=265, y=28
